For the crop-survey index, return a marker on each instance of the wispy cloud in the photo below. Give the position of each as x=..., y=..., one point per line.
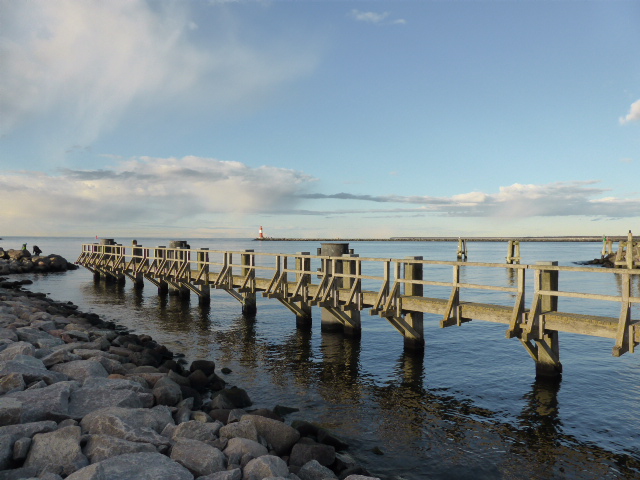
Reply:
x=88, y=62
x=375, y=17
x=633, y=115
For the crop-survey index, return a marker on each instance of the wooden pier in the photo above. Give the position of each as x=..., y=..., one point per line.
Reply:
x=344, y=284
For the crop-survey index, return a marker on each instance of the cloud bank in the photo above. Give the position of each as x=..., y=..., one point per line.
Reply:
x=511, y=202
x=79, y=66
x=375, y=18
x=192, y=192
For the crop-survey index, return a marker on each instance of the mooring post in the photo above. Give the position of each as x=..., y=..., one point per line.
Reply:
x=106, y=249
x=353, y=328
x=414, y=271
x=513, y=253
x=331, y=323
x=303, y=321
x=462, y=249
x=548, y=347
x=249, y=307
x=137, y=257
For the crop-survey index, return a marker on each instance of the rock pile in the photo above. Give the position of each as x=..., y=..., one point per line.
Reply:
x=21, y=261
x=83, y=399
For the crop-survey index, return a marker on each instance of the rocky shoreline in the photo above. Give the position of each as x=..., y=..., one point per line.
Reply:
x=84, y=399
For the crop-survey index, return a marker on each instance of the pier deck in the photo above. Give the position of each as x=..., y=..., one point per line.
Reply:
x=345, y=285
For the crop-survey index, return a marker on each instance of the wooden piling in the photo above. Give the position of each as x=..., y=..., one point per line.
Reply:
x=414, y=271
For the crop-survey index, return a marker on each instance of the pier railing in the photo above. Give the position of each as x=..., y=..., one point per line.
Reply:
x=392, y=288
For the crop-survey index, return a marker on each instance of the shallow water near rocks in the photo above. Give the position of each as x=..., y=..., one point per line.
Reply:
x=470, y=408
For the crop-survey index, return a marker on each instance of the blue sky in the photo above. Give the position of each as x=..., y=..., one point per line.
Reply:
x=319, y=118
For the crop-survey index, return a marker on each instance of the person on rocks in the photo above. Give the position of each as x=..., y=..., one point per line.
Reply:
x=24, y=246
x=36, y=250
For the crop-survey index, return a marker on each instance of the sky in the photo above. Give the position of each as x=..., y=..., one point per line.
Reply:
x=319, y=119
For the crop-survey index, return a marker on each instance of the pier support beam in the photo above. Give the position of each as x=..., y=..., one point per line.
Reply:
x=203, y=287
x=414, y=271
x=303, y=320
x=331, y=322
x=249, y=307
x=546, y=351
x=352, y=326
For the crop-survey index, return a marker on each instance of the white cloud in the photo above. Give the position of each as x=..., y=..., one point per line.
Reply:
x=149, y=190
x=633, y=115
x=374, y=17
x=81, y=65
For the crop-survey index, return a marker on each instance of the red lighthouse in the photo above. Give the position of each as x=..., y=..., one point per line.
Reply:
x=260, y=234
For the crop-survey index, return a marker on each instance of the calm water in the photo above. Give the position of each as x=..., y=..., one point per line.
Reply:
x=469, y=409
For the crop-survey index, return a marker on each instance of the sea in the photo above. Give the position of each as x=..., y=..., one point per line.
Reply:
x=468, y=407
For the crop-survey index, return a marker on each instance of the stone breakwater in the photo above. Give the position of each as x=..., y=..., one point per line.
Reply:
x=84, y=399
x=21, y=261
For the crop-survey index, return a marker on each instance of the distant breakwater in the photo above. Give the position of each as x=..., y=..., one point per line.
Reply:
x=445, y=239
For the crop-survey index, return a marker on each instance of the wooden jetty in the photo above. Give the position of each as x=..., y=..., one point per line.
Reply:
x=344, y=284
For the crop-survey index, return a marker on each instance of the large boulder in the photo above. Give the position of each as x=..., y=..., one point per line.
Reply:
x=32, y=370
x=167, y=392
x=132, y=424
x=239, y=447
x=264, y=467
x=198, y=457
x=17, y=348
x=194, y=430
x=57, y=452
x=80, y=370
x=314, y=471
x=101, y=447
x=134, y=466
x=279, y=435
x=48, y=403
x=305, y=451
x=242, y=429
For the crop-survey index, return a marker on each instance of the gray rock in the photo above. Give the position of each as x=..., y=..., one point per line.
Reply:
x=302, y=453
x=280, y=436
x=198, y=457
x=17, y=348
x=21, y=448
x=167, y=392
x=360, y=477
x=10, y=411
x=86, y=354
x=179, y=379
x=101, y=447
x=12, y=382
x=197, y=431
x=265, y=466
x=110, y=365
x=48, y=403
x=58, y=356
x=237, y=396
x=238, y=447
x=234, y=474
x=38, y=337
x=242, y=429
x=31, y=368
x=208, y=367
x=80, y=370
x=6, y=451
x=57, y=452
x=28, y=429
x=133, y=424
x=22, y=474
x=85, y=400
x=314, y=471
x=134, y=466
x=220, y=402
x=200, y=416
x=236, y=414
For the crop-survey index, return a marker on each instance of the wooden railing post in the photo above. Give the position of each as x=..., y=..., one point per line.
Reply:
x=349, y=267
x=548, y=347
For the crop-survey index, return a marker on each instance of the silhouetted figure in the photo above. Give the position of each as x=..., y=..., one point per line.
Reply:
x=36, y=250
